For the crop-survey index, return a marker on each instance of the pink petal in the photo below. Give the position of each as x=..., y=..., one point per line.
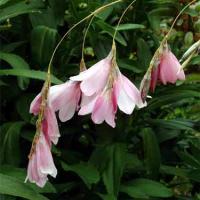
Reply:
x=94, y=79
x=51, y=123
x=45, y=164
x=170, y=68
x=127, y=94
x=124, y=102
x=70, y=101
x=99, y=111
x=87, y=104
x=59, y=95
x=154, y=78
x=104, y=110
x=35, y=104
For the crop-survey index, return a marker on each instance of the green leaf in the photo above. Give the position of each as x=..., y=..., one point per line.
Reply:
x=20, y=8
x=14, y=187
x=144, y=188
x=192, y=78
x=115, y=166
x=176, y=171
x=172, y=124
x=106, y=196
x=12, y=46
x=2, y=2
x=43, y=40
x=189, y=159
x=125, y=27
x=110, y=30
x=20, y=174
x=16, y=62
x=144, y=53
x=105, y=13
x=10, y=149
x=87, y=172
x=129, y=65
x=157, y=14
x=134, y=192
x=152, y=153
x=34, y=74
x=195, y=60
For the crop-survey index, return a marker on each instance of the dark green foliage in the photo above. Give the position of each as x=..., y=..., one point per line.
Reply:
x=152, y=154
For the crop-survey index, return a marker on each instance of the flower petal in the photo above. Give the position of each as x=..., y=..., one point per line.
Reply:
x=104, y=110
x=51, y=128
x=87, y=104
x=94, y=79
x=170, y=68
x=35, y=104
x=45, y=162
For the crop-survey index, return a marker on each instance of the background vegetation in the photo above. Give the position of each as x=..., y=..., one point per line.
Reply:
x=152, y=154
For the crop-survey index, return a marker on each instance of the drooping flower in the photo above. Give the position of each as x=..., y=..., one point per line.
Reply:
x=164, y=68
x=103, y=88
x=94, y=79
x=63, y=98
x=168, y=69
x=41, y=162
x=105, y=108
x=49, y=123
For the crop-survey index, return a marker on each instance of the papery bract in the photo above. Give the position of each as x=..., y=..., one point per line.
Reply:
x=41, y=163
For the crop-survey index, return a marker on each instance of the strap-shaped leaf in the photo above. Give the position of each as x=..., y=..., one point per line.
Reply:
x=34, y=74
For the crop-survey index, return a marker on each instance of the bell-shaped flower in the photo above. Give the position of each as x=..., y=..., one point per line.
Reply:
x=168, y=69
x=103, y=88
x=41, y=163
x=128, y=96
x=63, y=98
x=94, y=79
x=105, y=108
x=49, y=124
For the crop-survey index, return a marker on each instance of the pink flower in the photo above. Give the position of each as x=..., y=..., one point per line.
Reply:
x=63, y=98
x=105, y=108
x=94, y=79
x=168, y=70
x=49, y=124
x=128, y=96
x=41, y=163
x=103, y=88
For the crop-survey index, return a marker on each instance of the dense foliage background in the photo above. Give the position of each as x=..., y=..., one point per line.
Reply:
x=152, y=154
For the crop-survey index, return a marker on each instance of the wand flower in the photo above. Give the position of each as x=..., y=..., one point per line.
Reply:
x=104, y=88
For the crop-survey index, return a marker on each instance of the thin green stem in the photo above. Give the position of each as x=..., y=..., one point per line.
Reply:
x=85, y=35
x=168, y=34
x=74, y=26
x=116, y=29
x=177, y=17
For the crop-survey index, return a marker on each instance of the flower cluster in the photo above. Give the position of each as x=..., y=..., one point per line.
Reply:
x=99, y=91
x=104, y=88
